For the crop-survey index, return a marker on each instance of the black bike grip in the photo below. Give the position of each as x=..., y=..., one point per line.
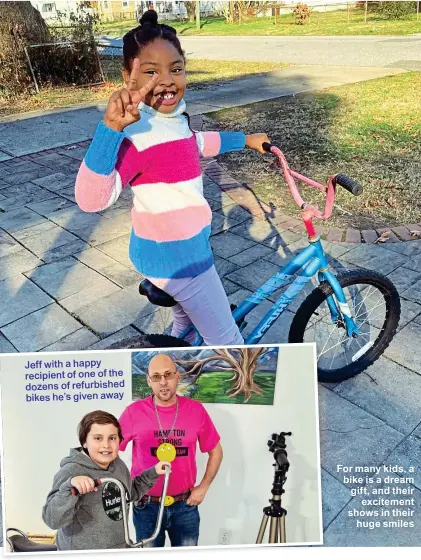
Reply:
x=266, y=146
x=75, y=491
x=349, y=184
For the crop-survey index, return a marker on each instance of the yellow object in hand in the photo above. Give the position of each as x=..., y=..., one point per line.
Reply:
x=166, y=452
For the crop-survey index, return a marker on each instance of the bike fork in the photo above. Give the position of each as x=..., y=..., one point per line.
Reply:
x=344, y=310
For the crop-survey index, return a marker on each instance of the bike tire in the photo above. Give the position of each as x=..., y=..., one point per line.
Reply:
x=387, y=331
x=149, y=341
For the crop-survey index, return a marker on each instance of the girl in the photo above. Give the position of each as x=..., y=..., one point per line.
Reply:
x=145, y=141
x=93, y=519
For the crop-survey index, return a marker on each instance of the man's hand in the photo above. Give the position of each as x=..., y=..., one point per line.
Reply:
x=197, y=495
x=255, y=141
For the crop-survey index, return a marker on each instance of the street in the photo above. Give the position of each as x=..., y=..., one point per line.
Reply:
x=377, y=51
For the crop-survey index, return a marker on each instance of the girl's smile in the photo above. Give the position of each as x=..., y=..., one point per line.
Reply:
x=161, y=58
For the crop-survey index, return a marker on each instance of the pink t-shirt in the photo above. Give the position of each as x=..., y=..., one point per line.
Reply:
x=140, y=425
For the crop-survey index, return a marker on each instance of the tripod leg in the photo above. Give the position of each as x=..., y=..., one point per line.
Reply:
x=273, y=530
x=282, y=529
x=262, y=529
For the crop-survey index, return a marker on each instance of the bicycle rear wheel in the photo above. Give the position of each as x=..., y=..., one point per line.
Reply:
x=375, y=307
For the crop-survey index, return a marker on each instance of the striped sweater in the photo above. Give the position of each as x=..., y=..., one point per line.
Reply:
x=158, y=157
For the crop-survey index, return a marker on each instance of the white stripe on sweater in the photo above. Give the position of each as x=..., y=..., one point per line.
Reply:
x=149, y=131
x=162, y=197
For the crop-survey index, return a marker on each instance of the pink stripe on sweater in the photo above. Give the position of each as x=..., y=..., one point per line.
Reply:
x=92, y=190
x=169, y=162
x=174, y=225
x=212, y=144
x=130, y=162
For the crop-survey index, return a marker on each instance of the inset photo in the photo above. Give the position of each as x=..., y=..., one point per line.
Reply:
x=201, y=447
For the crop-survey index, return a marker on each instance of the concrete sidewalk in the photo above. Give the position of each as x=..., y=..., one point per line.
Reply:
x=46, y=130
x=66, y=283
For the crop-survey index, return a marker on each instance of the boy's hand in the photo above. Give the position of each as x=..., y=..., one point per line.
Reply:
x=84, y=484
x=160, y=467
x=255, y=142
x=122, y=108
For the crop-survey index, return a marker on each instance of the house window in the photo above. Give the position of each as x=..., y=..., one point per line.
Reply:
x=47, y=8
x=105, y=4
x=125, y=3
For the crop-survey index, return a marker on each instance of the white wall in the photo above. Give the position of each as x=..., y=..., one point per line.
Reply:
x=37, y=437
x=243, y=485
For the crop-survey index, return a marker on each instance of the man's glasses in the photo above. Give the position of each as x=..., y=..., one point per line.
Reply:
x=156, y=377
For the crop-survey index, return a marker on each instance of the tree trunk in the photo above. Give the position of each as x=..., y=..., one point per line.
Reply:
x=20, y=25
x=191, y=10
x=243, y=369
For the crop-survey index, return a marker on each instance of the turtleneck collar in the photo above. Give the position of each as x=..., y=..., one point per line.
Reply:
x=181, y=107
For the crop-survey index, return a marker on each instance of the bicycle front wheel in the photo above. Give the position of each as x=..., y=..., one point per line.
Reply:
x=375, y=306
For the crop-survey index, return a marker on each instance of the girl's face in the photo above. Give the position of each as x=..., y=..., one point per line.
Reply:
x=162, y=58
x=102, y=444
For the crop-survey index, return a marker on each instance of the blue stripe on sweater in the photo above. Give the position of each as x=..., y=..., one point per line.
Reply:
x=232, y=141
x=172, y=259
x=102, y=154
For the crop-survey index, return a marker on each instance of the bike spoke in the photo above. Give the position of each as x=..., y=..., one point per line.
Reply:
x=336, y=347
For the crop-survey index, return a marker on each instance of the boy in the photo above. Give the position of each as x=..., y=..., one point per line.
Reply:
x=92, y=519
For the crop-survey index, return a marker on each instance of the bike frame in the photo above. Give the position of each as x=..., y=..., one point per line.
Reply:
x=311, y=261
x=124, y=504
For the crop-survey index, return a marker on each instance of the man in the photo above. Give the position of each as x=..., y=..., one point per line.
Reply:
x=167, y=417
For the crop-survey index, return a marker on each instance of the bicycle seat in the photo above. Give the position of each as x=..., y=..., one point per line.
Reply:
x=23, y=544
x=156, y=295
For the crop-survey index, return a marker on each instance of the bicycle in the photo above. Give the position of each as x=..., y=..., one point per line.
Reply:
x=326, y=307
x=20, y=542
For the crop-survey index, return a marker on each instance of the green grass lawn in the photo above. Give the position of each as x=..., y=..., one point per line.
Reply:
x=370, y=131
x=200, y=74
x=213, y=387
x=320, y=23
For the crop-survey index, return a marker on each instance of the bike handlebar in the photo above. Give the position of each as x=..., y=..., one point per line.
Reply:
x=310, y=211
x=75, y=491
x=348, y=184
x=124, y=504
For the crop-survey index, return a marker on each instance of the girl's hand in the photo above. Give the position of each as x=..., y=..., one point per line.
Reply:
x=84, y=484
x=160, y=467
x=122, y=108
x=255, y=142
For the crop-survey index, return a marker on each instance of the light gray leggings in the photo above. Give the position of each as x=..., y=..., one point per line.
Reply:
x=202, y=301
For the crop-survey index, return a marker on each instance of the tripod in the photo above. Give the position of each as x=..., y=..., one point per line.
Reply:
x=275, y=511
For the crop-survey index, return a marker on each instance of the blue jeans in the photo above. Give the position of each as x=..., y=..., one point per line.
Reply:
x=180, y=521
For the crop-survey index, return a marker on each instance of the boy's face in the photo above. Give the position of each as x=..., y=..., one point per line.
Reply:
x=162, y=58
x=102, y=444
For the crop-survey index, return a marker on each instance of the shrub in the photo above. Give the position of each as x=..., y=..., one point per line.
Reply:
x=396, y=10
x=301, y=13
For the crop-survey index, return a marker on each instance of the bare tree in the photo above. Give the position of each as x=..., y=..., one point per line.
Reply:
x=191, y=10
x=20, y=25
x=237, y=11
x=243, y=365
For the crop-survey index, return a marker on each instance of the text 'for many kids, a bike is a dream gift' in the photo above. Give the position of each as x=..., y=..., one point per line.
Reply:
x=351, y=315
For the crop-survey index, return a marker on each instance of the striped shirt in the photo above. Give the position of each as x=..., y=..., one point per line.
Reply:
x=159, y=158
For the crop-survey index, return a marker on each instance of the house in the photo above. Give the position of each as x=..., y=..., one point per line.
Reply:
x=115, y=10
x=50, y=9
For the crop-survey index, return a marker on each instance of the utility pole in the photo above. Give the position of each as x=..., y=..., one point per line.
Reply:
x=198, y=15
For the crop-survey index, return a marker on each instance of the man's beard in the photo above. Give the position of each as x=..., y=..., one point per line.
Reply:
x=165, y=394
